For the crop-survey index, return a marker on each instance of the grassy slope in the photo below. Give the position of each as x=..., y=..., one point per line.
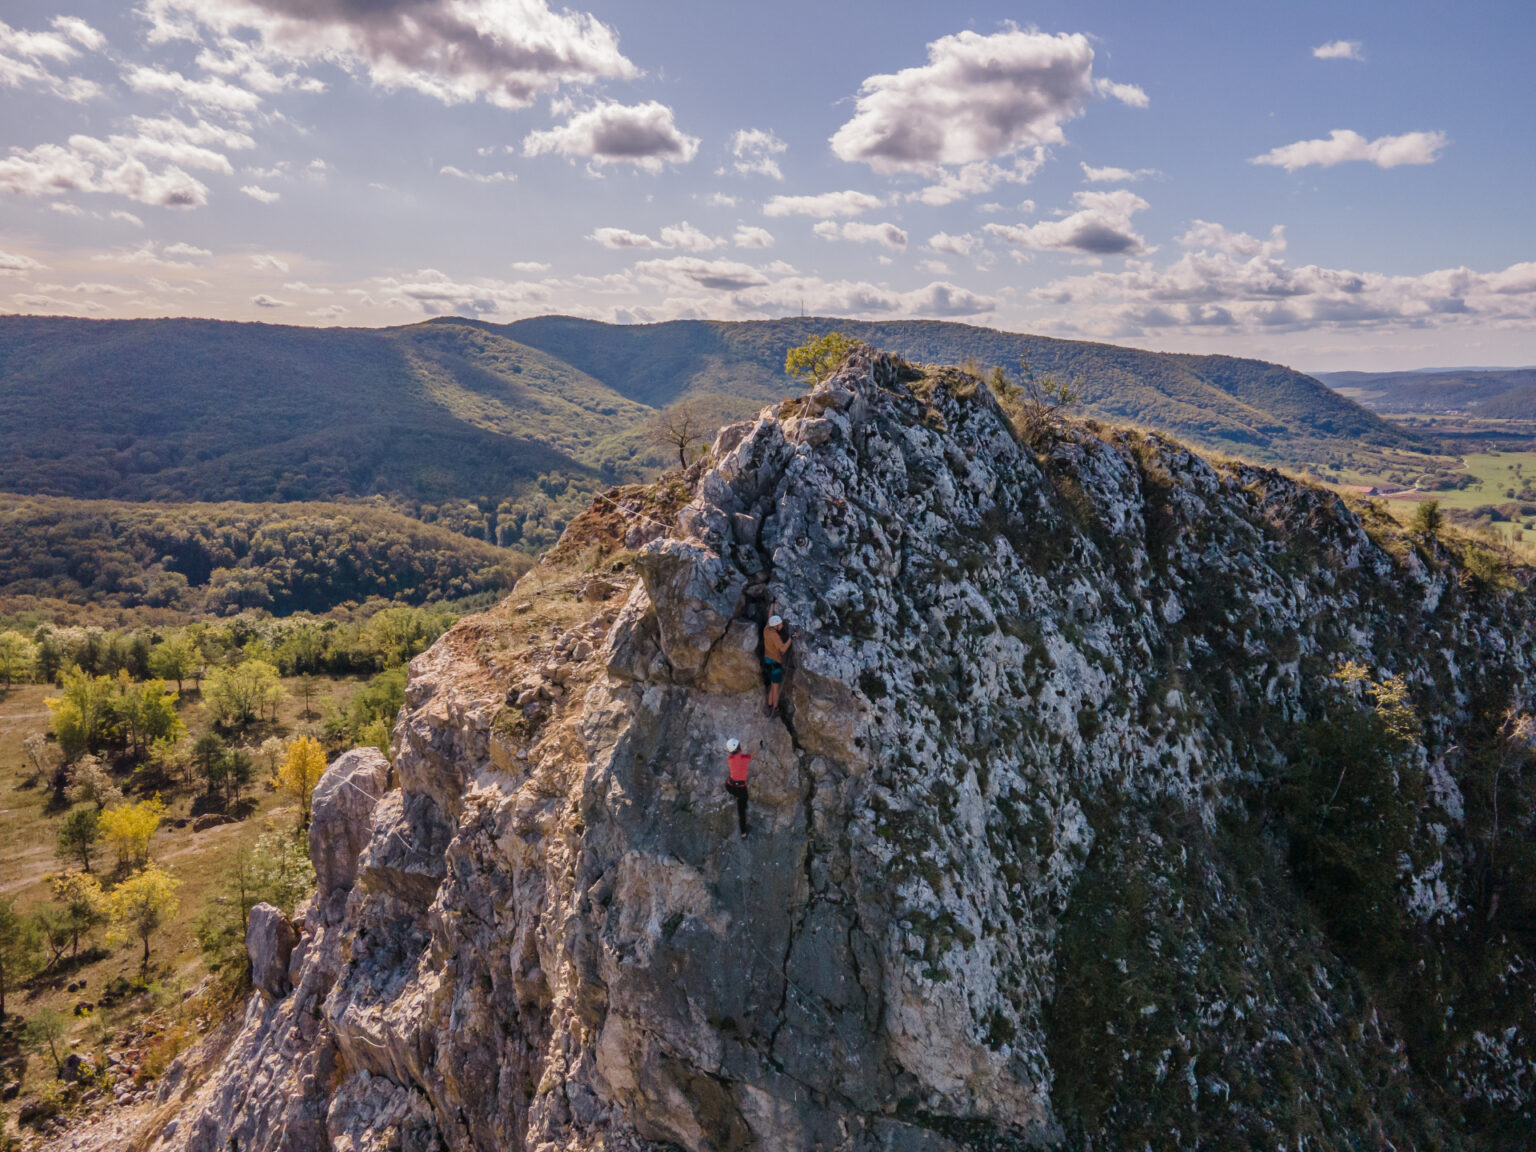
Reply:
x=197, y=858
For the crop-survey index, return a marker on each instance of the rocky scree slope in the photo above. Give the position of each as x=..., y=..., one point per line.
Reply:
x=1122, y=799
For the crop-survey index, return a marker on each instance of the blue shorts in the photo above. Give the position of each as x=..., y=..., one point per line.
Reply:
x=775, y=671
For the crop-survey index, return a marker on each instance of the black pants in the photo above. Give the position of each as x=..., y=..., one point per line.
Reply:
x=740, y=792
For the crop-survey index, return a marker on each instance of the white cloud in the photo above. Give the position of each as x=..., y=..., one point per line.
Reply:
x=191, y=250
x=935, y=267
x=823, y=206
x=437, y=294
x=22, y=54
x=478, y=177
x=974, y=179
x=1339, y=50
x=1125, y=93
x=91, y=165
x=506, y=52
x=1343, y=146
x=1101, y=226
x=1242, y=283
x=300, y=286
x=887, y=234
x=329, y=312
x=956, y=245
x=755, y=150
x=126, y=217
x=533, y=267
x=265, y=262
x=978, y=98
x=1116, y=175
x=256, y=192
x=14, y=263
x=610, y=133
x=64, y=209
x=264, y=301
x=211, y=93
x=80, y=32
x=714, y=275
x=750, y=236
x=720, y=200
x=623, y=238
x=688, y=238
x=1215, y=238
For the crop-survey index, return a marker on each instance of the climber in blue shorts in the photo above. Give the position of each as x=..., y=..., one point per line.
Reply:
x=776, y=643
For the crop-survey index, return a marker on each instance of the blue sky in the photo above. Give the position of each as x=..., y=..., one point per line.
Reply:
x=1331, y=186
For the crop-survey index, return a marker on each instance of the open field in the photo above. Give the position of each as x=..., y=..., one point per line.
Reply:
x=29, y=830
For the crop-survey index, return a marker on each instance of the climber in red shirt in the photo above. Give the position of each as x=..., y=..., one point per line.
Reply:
x=738, y=761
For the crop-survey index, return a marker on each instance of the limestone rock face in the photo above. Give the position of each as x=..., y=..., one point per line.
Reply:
x=269, y=941
x=1120, y=799
x=340, y=820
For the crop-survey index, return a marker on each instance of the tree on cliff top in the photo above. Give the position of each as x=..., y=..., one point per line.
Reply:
x=819, y=357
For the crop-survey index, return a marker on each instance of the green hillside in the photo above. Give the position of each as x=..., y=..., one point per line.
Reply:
x=1488, y=394
x=215, y=559
x=1248, y=407
x=508, y=430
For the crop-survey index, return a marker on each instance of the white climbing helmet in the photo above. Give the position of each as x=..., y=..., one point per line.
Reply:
x=775, y=621
x=733, y=745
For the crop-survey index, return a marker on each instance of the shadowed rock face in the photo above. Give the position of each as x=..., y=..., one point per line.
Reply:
x=1031, y=859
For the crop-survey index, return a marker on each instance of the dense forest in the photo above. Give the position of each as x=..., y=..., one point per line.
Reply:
x=219, y=559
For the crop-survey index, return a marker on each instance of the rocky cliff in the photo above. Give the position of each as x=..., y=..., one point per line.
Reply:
x=1121, y=799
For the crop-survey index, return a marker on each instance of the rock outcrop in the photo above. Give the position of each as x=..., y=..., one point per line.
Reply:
x=1121, y=799
x=269, y=941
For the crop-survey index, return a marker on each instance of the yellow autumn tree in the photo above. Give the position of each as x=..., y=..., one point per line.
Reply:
x=141, y=905
x=130, y=827
x=300, y=771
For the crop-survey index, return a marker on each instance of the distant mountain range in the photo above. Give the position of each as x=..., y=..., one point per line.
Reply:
x=532, y=413
x=1487, y=393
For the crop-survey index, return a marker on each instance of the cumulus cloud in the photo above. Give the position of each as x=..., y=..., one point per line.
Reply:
x=264, y=301
x=715, y=275
x=887, y=234
x=437, y=294
x=313, y=290
x=750, y=236
x=25, y=57
x=755, y=150
x=92, y=165
x=610, y=133
x=14, y=264
x=477, y=177
x=1125, y=93
x=126, y=217
x=329, y=312
x=956, y=245
x=1101, y=226
x=529, y=266
x=1240, y=282
x=190, y=250
x=977, y=99
x=506, y=52
x=1116, y=175
x=121, y=164
x=256, y=192
x=823, y=206
x=209, y=93
x=974, y=179
x=264, y=262
x=1344, y=145
x=1339, y=50
x=684, y=236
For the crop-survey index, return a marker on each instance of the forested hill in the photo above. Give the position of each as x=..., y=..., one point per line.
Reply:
x=1492, y=394
x=525, y=420
x=1250, y=407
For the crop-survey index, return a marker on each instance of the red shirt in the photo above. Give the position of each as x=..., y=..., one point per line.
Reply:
x=738, y=762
